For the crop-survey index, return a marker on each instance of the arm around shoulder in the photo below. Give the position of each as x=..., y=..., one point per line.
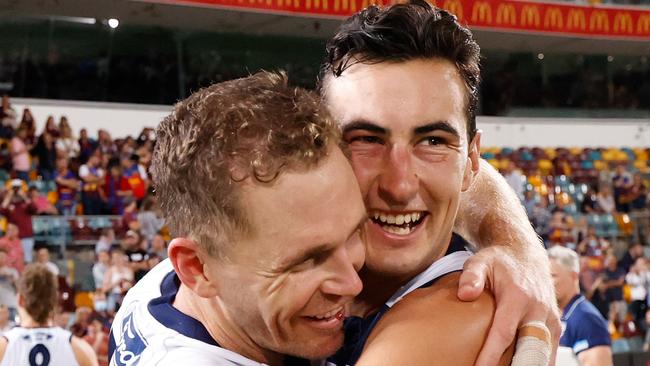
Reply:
x=431, y=326
x=83, y=352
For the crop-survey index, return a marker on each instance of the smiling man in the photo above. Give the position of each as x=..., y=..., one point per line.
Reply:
x=402, y=82
x=268, y=218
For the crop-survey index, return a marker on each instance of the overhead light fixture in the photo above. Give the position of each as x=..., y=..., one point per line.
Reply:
x=113, y=23
x=610, y=58
x=540, y=56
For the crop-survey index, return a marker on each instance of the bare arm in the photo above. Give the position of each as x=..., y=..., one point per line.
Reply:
x=83, y=352
x=3, y=347
x=511, y=261
x=597, y=356
x=411, y=333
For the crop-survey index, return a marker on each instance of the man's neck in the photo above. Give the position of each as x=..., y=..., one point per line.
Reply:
x=562, y=304
x=211, y=313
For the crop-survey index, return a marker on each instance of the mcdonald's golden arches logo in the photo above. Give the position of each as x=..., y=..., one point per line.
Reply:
x=553, y=18
x=529, y=15
x=598, y=21
x=576, y=20
x=623, y=23
x=506, y=14
x=455, y=7
x=482, y=12
x=643, y=24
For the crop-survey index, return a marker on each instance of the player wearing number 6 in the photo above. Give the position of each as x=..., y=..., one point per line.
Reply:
x=36, y=342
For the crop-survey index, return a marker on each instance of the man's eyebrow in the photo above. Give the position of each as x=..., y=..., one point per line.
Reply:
x=440, y=125
x=309, y=253
x=364, y=125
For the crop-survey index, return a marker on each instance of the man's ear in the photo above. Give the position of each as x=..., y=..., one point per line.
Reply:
x=473, y=161
x=189, y=263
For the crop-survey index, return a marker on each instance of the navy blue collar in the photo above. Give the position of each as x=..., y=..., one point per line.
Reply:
x=161, y=308
x=568, y=310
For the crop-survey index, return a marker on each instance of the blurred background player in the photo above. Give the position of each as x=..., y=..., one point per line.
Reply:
x=36, y=341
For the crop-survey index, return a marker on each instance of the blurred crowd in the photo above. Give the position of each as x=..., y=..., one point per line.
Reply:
x=584, y=207
x=614, y=269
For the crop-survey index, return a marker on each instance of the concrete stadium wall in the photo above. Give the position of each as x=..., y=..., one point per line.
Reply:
x=129, y=119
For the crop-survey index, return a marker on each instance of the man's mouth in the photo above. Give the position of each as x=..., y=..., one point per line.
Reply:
x=327, y=320
x=402, y=223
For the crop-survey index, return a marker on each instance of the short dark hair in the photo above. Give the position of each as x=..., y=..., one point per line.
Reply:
x=404, y=32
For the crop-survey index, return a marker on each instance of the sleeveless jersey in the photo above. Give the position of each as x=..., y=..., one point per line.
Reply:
x=39, y=347
x=357, y=329
x=148, y=330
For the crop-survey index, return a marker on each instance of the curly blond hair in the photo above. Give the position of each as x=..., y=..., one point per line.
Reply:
x=250, y=128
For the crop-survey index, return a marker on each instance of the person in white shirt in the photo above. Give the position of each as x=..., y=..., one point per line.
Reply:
x=36, y=341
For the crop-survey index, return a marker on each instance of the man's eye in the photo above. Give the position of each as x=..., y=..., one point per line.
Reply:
x=366, y=140
x=432, y=141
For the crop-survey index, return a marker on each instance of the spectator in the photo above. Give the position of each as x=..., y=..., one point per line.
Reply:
x=67, y=145
x=8, y=117
x=113, y=191
x=646, y=343
x=584, y=329
x=149, y=219
x=636, y=194
x=101, y=267
x=82, y=321
x=634, y=252
x=561, y=228
x=136, y=254
x=605, y=200
x=92, y=176
x=622, y=182
x=18, y=209
x=515, y=179
x=542, y=219
x=6, y=322
x=51, y=128
x=106, y=240
x=158, y=247
x=614, y=279
x=592, y=245
x=86, y=146
x=20, y=154
x=134, y=177
x=589, y=203
x=581, y=228
x=97, y=337
x=530, y=203
x=638, y=279
x=11, y=243
x=118, y=280
x=43, y=205
x=43, y=257
x=130, y=214
x=29, y=125
x=8, y=278
x=67, y=185
x=105, y=143
x=45, y=152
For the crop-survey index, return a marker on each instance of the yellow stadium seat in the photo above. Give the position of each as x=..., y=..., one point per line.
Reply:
x=642, y=165
x=621, y=156
x=494, y=163
x=52, y=197
x=83, y=299
x=624, y=223
x=600, y=165
x=545, y=166
x=535, y=181
x=608, y=155
x=550, y=152
x=642, y=155
x=575, y=150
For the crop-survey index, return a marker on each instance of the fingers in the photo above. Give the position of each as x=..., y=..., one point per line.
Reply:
x=533, y=345
x=501, y=334
x=472, y=279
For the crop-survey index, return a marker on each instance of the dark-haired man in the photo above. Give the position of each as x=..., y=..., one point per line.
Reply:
x=403, y=84
x=36, y=341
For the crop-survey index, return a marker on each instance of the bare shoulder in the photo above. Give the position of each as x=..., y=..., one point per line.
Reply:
x=83, y=352
x=4, y=342
x=431, y=324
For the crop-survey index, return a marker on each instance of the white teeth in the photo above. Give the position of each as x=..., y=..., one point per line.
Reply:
x=329, y=314
x=397, y=219
x=397, y=230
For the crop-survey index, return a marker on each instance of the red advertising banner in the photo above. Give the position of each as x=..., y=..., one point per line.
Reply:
x=509, y=15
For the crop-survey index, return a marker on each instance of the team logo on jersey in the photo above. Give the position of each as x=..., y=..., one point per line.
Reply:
x=132, y=343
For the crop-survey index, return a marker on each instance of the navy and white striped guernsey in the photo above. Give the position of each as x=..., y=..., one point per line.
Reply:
x=357, y=329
